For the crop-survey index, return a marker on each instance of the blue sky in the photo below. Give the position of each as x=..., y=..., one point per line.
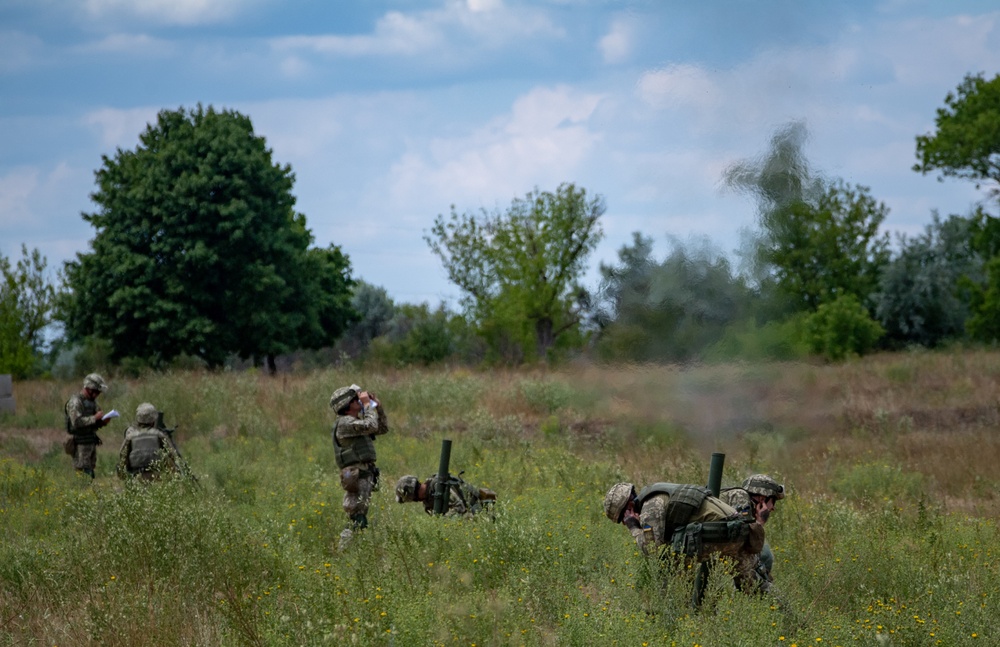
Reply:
x=391, y=111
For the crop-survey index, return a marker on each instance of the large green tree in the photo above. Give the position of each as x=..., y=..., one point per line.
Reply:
x=830, y=246
x=27, y=303
x=198, y=250
x=921, y=298
x=966, y=143
x=818, y=239
x=520, y=268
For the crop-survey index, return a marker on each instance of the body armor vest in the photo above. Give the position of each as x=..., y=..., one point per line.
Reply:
x=349, y=451
x=82, y=435
x=145, y=449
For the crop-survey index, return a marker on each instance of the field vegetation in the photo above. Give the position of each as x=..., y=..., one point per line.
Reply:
x=888, y=536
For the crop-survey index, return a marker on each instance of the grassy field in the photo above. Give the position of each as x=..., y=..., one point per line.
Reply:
x=888, y=537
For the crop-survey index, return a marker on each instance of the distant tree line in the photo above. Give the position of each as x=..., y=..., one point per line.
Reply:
x=199, y=259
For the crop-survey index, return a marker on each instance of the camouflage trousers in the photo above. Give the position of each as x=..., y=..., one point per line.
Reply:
x=357, y=483
x=85, y=457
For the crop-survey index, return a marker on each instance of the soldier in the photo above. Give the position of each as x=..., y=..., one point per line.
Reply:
x=755, y=499
x=689, y=521
x=464, y=499
x=147, y=451
x=83, y=420
x=360, y=417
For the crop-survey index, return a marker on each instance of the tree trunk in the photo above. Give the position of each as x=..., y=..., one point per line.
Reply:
x=272, y=368
x=544, y=338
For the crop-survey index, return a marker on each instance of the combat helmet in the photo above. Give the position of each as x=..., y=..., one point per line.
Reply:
x=95, y=382
x=145, y=414
x=343, y=396
x=764, y=485
x=407, y=488
x=617, y=500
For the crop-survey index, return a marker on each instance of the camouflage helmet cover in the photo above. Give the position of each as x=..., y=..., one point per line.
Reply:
x=764, y=485
x=343, y=396
x=407, y=488
x=95, y=382
x=145, y=414
x=616, y=500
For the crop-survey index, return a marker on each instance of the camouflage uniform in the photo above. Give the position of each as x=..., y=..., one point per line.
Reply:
x=354, y=447
x=464, y=499
x=740, y=498
x=713, y=528
x=146, y=451
x=82, y=424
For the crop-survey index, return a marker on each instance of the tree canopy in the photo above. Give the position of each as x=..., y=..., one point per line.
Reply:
x=198, y=250
x=27, y=303
x=669, y=311
x=819, y=239
x=920, y=298
x=521, y=267
x=967, y=141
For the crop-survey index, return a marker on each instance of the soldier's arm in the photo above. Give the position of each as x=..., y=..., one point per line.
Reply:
x=348, y=427
x=77, y=419
x=169, y=450
x=455, y=503
x=122, y=469
x=382, y=423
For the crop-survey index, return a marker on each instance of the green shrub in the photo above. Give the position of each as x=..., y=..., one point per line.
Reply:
x=842, y=328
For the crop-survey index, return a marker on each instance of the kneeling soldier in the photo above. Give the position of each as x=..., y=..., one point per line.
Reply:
x=689, y=521
x=147, y=451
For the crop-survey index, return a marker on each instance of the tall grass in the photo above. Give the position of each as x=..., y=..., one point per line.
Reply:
x=887, y=538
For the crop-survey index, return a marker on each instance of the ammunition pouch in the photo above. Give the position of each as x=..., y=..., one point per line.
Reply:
x=69, y=446
x=691, y=539
x=350, y=478
x=687, y=540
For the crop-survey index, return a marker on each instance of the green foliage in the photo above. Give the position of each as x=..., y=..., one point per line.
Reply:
x=921, y=298
x=984, y=324
x=829, y=246
x=198, y=250
x=774, y=341
x=819, y=240
x=27, y=303
x=518, y=270
x=375, y=311
x=966, y=143
x=669, y=311
x=842, y=328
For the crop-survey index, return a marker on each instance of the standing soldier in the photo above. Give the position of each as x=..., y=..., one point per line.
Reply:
x=360, y=417
x=83, y=419
x=147, y=452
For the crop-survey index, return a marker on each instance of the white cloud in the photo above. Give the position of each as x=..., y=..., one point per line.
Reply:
x=15, y=190
x=482, y=24
x=120, y=127
x=130, y=45
x=678, y=86
x=19, y=51
x=616, y=46
x=542, y=141
x=171, y=12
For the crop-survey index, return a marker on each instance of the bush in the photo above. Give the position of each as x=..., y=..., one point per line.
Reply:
x=842, y=328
